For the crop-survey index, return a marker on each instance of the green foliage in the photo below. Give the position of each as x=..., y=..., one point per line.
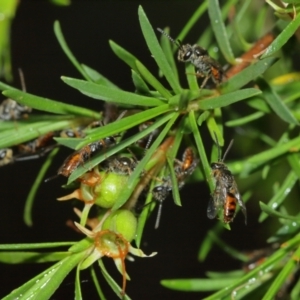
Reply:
x=182, y=114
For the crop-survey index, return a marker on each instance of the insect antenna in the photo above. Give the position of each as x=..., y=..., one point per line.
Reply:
x=177, y=43
x=219, y=148
x=158, y=216
x=22, y=79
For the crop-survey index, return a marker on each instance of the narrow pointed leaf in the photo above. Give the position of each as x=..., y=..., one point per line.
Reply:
x=67, y=51
x=271, y=212
x=251, y=73
x=276, y=103
x=281, y=194
x=219, y=29
x=49, y=105
x=283, y=37
x=227, y=99
x=109, y=94
x=156, y=51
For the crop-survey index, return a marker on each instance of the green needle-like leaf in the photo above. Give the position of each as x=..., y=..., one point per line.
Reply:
x=117, y=148
x=45, y=284
x=115, y=287
x=96, y=77
x=124, y=55
x=280, y=195
x=32, y=193
x=201, y=150
x=152, y=80
x=227, y=99
x=123, y=124
x=283, y=37
x=197, y=285
x=49, y=105
x=108, y=94
x=276, y=103
x=283, y=276
x=269, y=211
x=29, y=257
x=67, y=51
x=157, y=52
x=219, y=29
x=251, y=73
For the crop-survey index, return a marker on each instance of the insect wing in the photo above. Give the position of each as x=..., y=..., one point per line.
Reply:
x=217, y=199
x=212, y=209
x=236, y=193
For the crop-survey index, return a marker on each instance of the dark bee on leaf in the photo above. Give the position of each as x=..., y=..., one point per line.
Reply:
x=226, y=194
x=205, y=65
x=183, y=169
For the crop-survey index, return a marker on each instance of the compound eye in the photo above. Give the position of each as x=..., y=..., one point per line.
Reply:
x=125, y=161
x=214, y=166
x=187, y=55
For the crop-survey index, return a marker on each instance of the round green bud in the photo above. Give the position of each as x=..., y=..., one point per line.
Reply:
x=122, y=221
x=109, y=189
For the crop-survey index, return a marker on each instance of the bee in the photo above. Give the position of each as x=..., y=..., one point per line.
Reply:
x=205, y=65
x=6, y=156
x=82, y=155
x=226, y=194
x=183, y=169
x=12, y=110
x=147, y=140
x=37, y=144
x=121, y=165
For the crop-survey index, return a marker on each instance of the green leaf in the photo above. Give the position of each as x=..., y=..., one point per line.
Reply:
x=245, y=76
x=294, y=162
x=283, y=37
x=30, y=131
x=276, y=103
x=124, y=55
x=133, y=180
x=67, y=51
x=191, y=77
x=250, y=164
x=227, y=99
x=166, y=46
x=139, y=83
x=98, y=78
x=203, y=117
x=157, y=52
x=208, y=241
x=19, y=257
x=273, y=259
x=49, y=105
x=192, y=21
x=152, y=80
x=175, y=190
x=96, y=283
x=78, y=294
x=27, y=215
x=285, y=274
x=117, y=148
x=201, y=150
x=227, y=248
x=35, y=246
x=219, y=29
x=123, y=124
x=245, y=120
x=45, y=284
x=197, y=285
x=109, y=94
x=115, y=287
x=281, y=194
x=269, y=211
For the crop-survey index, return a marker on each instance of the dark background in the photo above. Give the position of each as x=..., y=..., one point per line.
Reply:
x=87, y=27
